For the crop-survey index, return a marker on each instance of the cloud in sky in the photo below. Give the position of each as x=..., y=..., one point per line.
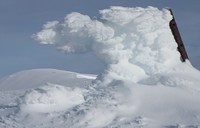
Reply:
x=132, y=42
x=19, y=20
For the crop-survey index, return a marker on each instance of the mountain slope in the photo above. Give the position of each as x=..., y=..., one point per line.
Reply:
x=37, y=77
x=144, y=83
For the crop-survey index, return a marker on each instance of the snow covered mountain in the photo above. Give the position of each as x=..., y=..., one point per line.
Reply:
x=144, y=84
x=40, y=91
x=35, y=78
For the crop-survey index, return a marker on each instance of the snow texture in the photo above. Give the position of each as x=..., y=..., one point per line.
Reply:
x=50, y=98
x=144, y=84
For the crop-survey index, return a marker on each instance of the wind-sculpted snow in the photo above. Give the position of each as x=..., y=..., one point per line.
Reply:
x=50, y=98
x=144, y=84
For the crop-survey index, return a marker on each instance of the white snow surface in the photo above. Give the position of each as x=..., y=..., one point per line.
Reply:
x=34, y=78
x=144, y=85
x=50, y=98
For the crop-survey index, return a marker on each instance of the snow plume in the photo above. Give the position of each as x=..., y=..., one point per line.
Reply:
x=139, y=50
x=133, y=42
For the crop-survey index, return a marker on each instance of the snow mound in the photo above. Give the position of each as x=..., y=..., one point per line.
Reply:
x=36, y=77
x=50, y=98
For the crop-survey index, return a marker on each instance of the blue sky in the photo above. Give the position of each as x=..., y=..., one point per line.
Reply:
x=19, y=19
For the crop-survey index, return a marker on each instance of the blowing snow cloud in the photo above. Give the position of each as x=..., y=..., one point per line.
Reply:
x=144, y=84
x=133, y=42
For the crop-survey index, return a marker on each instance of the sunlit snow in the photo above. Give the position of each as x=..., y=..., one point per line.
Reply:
x=145, y=84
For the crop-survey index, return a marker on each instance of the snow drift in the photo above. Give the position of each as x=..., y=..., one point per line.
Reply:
x=51, y=98
x=144, y=84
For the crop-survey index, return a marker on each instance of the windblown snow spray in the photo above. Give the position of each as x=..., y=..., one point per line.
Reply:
x=133, y=42
x=144, y=76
